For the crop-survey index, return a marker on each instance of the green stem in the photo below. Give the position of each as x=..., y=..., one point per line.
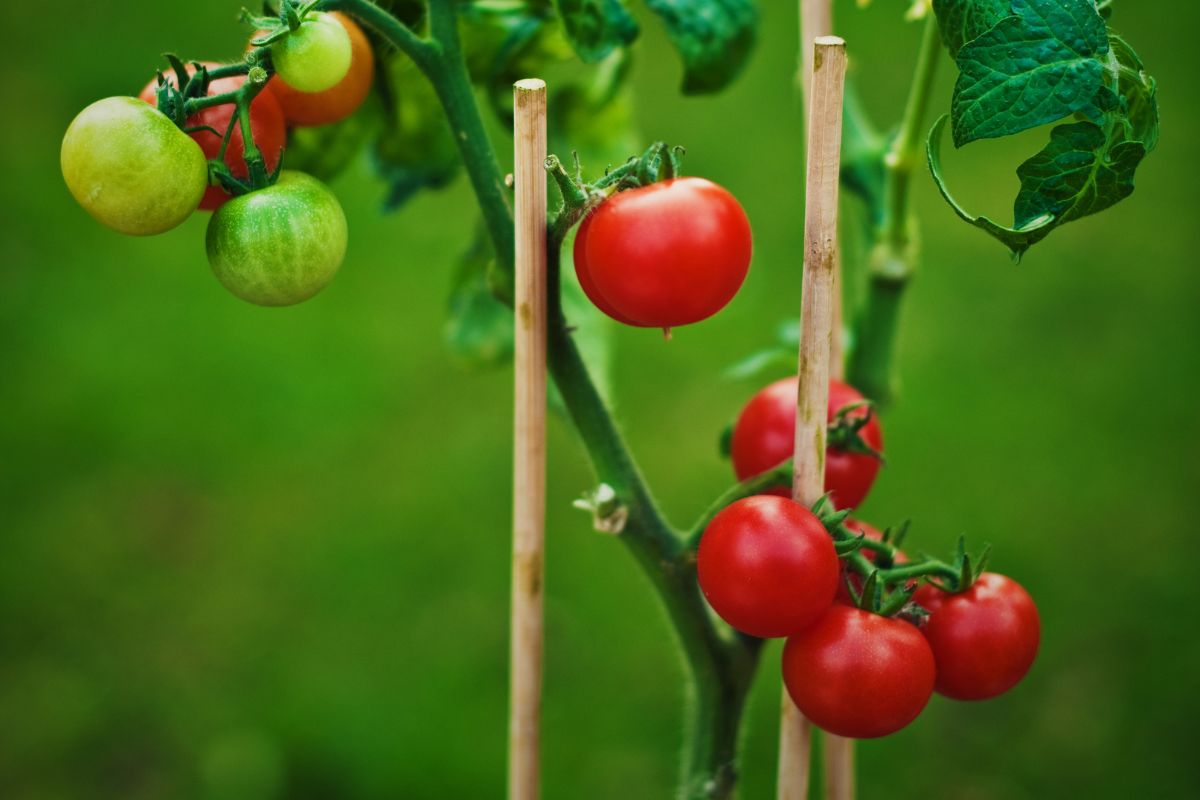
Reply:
x=894, y=254
x=720, y=663
x=757, y=484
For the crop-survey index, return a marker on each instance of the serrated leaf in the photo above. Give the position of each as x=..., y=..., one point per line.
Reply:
x=596, y=27
x=713, y=37
x=1080, y=172
x=479, y=328
x=1037, y=66
x=962, y=21
x=1137, y=94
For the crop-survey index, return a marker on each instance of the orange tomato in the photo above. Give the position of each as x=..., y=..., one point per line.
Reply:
x=340, y=101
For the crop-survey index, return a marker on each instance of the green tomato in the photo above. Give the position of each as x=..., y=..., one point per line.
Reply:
x=315, y=56
x=279, y=245
x=131, y=168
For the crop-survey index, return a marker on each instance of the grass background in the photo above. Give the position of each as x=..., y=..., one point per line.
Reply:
x=256, y=554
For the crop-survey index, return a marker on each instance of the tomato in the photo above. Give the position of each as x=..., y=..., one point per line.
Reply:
x=314, y=57
x=767, y=566
x=671, y=253
x=279, y=245
x=266, y=123
x=858, y=674
x=870, y=532
x=131, y=168
x=763, y=438
x=342, y=99
x=984, y=639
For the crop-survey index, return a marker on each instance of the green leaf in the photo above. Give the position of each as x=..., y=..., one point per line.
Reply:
x=1017, y=241
x=596, y=27
x=713, y=37
x=1040, y=65
x=1080, y=172
x=1137, y=92
x=416, y=149
x=962, y=21
x=479, y=328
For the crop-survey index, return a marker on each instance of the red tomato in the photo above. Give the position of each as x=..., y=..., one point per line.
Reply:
x=984, y=639
x=668, y=254
x=858, y=674
x=764, y=434
x=873, y=533
x=767, y=566
x=339, y=102
x=266, y=122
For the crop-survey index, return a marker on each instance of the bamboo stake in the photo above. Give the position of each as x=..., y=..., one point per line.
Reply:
x=816, y=334
x=816, y=19
x=529, y=439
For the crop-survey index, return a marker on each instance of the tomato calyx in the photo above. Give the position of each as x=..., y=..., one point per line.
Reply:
x=887, y=580
x=845, y=431
x=279, y=27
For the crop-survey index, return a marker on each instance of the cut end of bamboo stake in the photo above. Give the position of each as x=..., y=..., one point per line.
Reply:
x=530, y=85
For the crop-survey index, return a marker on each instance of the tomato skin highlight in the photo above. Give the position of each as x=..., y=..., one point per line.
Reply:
x=131, y=168
x=858, y=674
x=315, y=57
x=763, y=438
x=266, y=123
x=668, y=254
x=767, y=566
x=339, y=101
x=280, y=245
x=984, y=639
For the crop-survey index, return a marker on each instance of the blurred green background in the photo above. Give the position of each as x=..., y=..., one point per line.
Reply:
x=255, y=554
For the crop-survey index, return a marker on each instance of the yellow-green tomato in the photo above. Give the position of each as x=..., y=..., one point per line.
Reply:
x=315, y=56
x=131, y=168
x=279, y=245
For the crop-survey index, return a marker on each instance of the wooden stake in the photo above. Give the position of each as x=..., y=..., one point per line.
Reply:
x=816, y=19
x=816, y=334
x=529, y=440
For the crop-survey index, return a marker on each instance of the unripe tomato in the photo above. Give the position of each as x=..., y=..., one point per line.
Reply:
x=131, y=168
x=767, y=566
x=764, y=438
x=279, y=245
x=266, y=123
x=314, y=57
x=984, y=639
x=668, y=254
x=344, y=98
x=858, y=674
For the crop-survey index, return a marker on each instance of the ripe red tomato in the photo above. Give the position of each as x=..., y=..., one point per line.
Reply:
x=266, y=122
x=764, y=434
x=339, y=102
x=873, y=533
x=984, y=639
x=858, y=674
x=767, y=566
x=668, y=254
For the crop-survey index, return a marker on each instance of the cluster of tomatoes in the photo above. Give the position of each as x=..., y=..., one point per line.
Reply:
x=769, y=567
x=136, y=170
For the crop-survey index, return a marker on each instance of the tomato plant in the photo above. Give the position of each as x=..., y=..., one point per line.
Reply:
x=656, y=249
x=765, y=431
x=767, y=566
x=859, y=674
x=280, y=245
x=209, y=126
x=984, y=638
x=100, y=146
x=671, y=253
x=340, y=100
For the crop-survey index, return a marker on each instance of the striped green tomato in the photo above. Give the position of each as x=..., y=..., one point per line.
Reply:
x=280, y=245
